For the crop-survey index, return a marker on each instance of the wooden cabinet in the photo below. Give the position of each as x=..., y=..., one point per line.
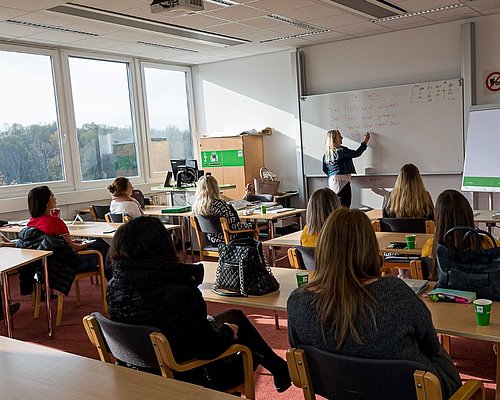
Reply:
x=232, y=160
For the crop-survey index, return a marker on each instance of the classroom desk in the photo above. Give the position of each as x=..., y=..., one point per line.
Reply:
x=272, y=218
x=11, y=259
x=31, y=371
x=383, y=238
x=451, y=319
x=480, y=216
x=91, y=229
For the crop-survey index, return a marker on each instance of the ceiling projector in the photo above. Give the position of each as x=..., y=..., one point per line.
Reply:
x=185, y=6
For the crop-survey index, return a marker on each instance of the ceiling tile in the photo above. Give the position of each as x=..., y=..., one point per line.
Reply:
x=452, y=15
x=49, y=18
x=419, y=5
x=289, y=30
x=97, y=43
x=281, y=6
x=362, y=29
x=313, y=12
x=484, y=5
x=112, y=5
x=336, y=21
x=262, y=22
x=232, y=29
x=8, y=13
x=491, y=11
x=55, y=37
x=403, y=23
x=237, y=13
x=18, y=30
x=31, y=5
x=261, y=34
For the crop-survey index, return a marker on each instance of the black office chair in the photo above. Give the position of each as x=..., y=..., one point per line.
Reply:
x=129, y=344
x=98, y=212
x=118, y=218
x=408, y=225
x=341, y=377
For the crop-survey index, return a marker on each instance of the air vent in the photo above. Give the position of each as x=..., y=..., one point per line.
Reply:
x=166, y=46
x=176, y=31
x=51, y=27
x=368, y=8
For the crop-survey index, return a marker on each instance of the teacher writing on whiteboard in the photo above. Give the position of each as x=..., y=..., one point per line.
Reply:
x=338, y=165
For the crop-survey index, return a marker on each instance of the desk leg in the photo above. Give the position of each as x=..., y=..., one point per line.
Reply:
x=276, y=320
x=272, y=256
x=272, y=229
x=183, y=239
x=47, y=297
x=5, y=299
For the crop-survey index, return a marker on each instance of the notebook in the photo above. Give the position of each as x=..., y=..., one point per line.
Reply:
x=176, y=209
x=417, y=285
x=279, y=210
x=457, y=296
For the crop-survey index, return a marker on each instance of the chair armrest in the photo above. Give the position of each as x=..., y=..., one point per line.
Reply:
x=472, y=389
x=8, y=244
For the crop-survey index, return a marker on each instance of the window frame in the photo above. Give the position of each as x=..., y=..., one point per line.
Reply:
x=72, y=190
x=160, y=176
x=79, y=184
x=66, y=184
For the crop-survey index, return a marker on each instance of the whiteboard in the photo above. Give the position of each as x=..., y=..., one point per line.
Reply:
x=420, y=123
x=482, y=169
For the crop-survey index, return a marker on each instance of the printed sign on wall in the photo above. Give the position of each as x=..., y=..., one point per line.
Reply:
x=491, y=82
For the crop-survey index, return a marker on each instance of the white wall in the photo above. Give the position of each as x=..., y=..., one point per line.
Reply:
x=252, y=93
x=258, y=91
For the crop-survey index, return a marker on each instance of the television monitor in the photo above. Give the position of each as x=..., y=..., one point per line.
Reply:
x=192, y=163
x=175, y=166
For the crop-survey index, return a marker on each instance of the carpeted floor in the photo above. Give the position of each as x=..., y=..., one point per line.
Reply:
x=474, y=359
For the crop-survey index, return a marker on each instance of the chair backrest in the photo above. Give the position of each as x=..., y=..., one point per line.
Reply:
x=209, y=224
x=119, y=218
x=302, y=257
x=341, y=377
x=128, y=343
x=137, y=194
x=259, y=197
x=98, y=212
x=408, y=225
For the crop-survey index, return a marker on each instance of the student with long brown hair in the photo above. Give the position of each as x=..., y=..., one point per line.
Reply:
x=409, y=198
x=452, y=209
x=348, y=308
x=320, y=205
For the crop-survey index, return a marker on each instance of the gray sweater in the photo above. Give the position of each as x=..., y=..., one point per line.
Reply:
x=404, y=327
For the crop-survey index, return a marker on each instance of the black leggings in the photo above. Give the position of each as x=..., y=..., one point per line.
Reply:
x=228, y=373
x=345, y=195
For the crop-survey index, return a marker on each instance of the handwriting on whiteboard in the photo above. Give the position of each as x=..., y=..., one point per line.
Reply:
x=431, y=92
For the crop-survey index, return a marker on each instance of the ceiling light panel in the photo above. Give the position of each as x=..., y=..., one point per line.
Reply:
x=50, y=27
x=421, y=12
x=294, y=22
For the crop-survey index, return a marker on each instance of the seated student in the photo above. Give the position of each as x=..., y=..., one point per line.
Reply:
x=208, y=202
x=320, y=205
x=151, y=287
x=348, y=308
x=452, y=209
x=123, y=202
x=41, y=202
x=408, y=198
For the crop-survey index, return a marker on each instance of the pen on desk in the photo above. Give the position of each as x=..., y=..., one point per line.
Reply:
x=114, y=230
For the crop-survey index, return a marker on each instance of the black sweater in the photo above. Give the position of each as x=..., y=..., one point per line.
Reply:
x=166, y=295
x=404, y=328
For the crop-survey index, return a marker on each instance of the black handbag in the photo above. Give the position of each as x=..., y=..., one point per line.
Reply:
x=473, y=270
x=243, y=270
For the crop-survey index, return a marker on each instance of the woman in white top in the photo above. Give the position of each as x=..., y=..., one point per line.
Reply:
x=123, y=202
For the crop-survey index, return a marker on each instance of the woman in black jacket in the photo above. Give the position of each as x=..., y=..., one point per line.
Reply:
x=151, y=287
